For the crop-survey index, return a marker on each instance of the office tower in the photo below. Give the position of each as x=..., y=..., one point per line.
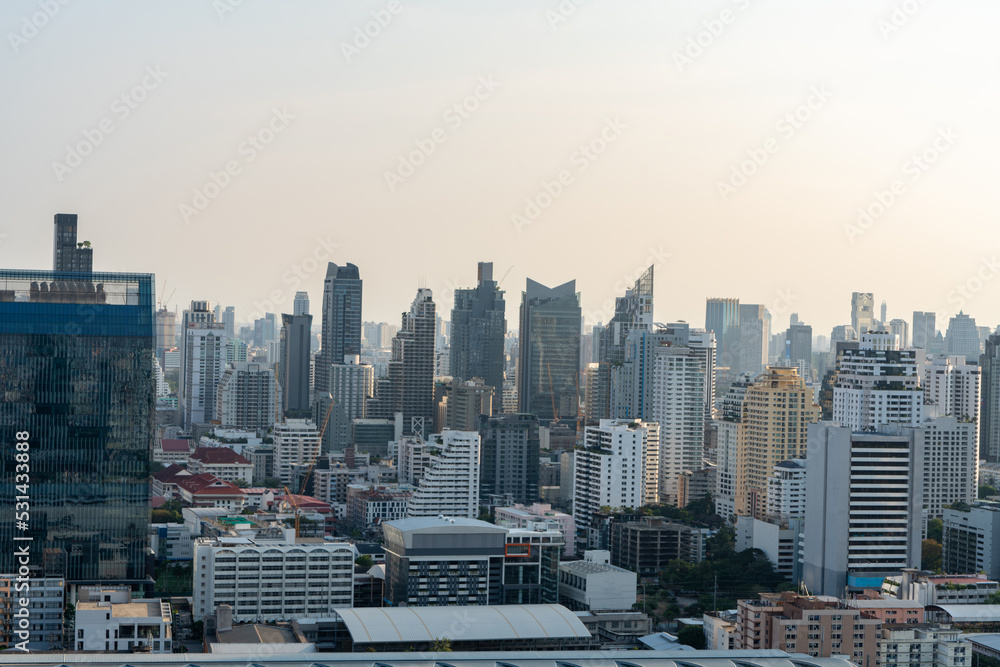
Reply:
x=478, y=328
x=597, y=391
x=341, y=334
x=229, y=320
x=777, y=411
x=549, y=352
x=409, y=388
x=466, y=402
x=78, y=380
x=882, y=320
x=950, y=448
x=989, y=427
x=901, y=330
x=217, y=313
x=878, y=384
x=296, y=441
x=270, y=328
x=862, y=311
x=450, y=483
x=951, y=387
x=863, y=508
x=798, y=347
x=786, y=490
x=293, y=368
x=754, y=339
x=962, y=337
x=728, y=432
x=722, y=317
x=204, y=363
x=842, y=333
x=351, y=384
x=969, y=544
x=300, y=305
x=198, y=314
x=616, y=467
x=682, y=379
x=510, y=457
x=67, y=253
x=236, y=350
x=632, y=311
x=166, y=332
x=246, y=398
x=924, y=329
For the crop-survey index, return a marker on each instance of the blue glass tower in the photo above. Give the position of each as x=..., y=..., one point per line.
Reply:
x=76, y=373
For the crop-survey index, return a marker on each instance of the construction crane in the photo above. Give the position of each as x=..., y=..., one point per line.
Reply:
x=163, y=302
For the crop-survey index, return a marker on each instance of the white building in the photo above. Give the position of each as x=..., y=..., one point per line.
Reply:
x=878, y=384
x=777, y=538
x=972, y=540
x=450, y=484
x=951, y=463
x=786, y=490
x=272, y=580
x=864, y=496
x=45, y=597
x=412, y=458
x=124, y=626
x=943, y=589
x=727, y=446
x=221, y=462
x=924, y=645
x=521, y=516
x=247, y=397
x=681, y=406
x=204, y=364
x=951, y=387
x=611, y=468
x=295, y=441
x=351, y=382
x=594, y=584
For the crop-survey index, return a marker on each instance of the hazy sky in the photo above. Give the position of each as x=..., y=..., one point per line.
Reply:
x=119, y=111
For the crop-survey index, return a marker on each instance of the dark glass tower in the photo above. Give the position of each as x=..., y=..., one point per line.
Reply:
x=632, y=311
x=293, y=368
x=549, y=353
x=410, y=383
x=76, y=373
x=341, y=333
x=67, y=255
x=478, y=328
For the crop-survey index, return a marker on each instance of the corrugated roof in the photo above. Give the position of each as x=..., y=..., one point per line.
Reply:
x=969, y=613
x=376, y=625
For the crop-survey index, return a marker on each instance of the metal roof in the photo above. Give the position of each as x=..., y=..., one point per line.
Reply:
x=969, y=613
x=377, y=625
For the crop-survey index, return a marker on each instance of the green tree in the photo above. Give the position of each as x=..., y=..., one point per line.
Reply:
x=693, y=636
x=441, y=644
x=242, y=483
x=930, y=555
x=986, y=490
x=364, y=560
x=935, y=530
x=992, y=598
x=272, y=483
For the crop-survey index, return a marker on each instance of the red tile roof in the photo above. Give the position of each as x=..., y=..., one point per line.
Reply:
x=170, y=445
x=168, y=474
x=206, y=484
x=218, y=455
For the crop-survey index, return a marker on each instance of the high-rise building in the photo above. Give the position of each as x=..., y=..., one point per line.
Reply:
x=300, y=305
x=924, y=329
x=878, y=384
x=236, y=351
x=798, y=346
x=597, y=391
x=229, y=320
x=478, y=328
x=632, y=311
x=166, y=332
x=409, y=388
x=466, y=402
x=777, y=410
x=247, y=397
x=728, y=431
x=682, y=380
x=968, y=539
x=67, y=253
x=341, y=334
x=962, y=337
x=952, y=387
x=862, y=311
x=204, y=363
x=510, y=457
x=989, y=427
x=950, y=450
x=722, y=317
x=293, y=367
x=754, y=339
x=296, y=441
x=901, y=330
x=863, y=508
x=199, y=313
x=351, y=385
x=549, y=352
x=786, y=490
x=616, y=467
x=78, y=387
x=884, y=322
x=449, y=485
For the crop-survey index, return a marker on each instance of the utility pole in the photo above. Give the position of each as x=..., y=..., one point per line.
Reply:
x=715, y=594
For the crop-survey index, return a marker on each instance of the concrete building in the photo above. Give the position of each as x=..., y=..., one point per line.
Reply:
x=341, y=328
x=45, y=607
x=247, y=397
x=372, y=436
x=221, y=462
x=877, y=384
x=409, y=387
x=647, y=545
x=369, y=508
x=924, y=330
x=131, y=625
x=594, y=584
x=293, y=366
x=962, y=338
x=204, y=363
x=901, y=330
x=467, y=401
x=450, y=483
x=728, y=433
x=510, y=456
x=989, y=432
x=172, y=451
x=878, y=479
x=267, y=578
x=696, y=485
x=924, y=645
x=754, y=339
x=862, y=311
x=295, y=441
x=478, y=328
x=67, y=253
x=786, y=490
x=940, y=590
x=952, y=388
x=777, y=537
x=521, y=516
x=616, y=468
x=969, y=544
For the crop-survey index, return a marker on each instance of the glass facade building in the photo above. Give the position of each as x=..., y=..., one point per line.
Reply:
x=76, y=374
x=478, y=328
x=341, y=334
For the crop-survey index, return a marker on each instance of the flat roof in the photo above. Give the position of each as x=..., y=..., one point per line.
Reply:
x=588, y=567
x=376, y=625
x=132, y=609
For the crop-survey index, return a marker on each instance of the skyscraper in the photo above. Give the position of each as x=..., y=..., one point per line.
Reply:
x=901, y=330
x=509, y=462
x=989, y=425
x=293, y=367
x=924, y=329
x=450, y=483
x=632, y=311
x=78, y=380
x=878, y=384
x=722, y=317
x=754, y=339
x=478, y=328
x=67, y=254
x=410, y=383
x=549, y=352
x=204, y=363
x=300, y=306
x=199, y=313
x=862, y=311
x=341, y=334
x=962, y=337
x=246, y=397
x=229, y=320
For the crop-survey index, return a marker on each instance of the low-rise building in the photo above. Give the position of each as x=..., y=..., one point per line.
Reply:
x=222, y=462
x=172, y=451
x=172, y=541
x=135, y=625
x=777, y=537
x=924, y=645
x=519, y=516
x=720, y=630
x=206, y=490
x=942, y=589
x=45, y=597
x=647, y=545
x=368, y=507
x=594, y=584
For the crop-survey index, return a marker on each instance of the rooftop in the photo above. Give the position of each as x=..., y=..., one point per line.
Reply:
x=170, y=445
x=586, y=567
x=254, y=633
x=218, y=456
x=132, y=609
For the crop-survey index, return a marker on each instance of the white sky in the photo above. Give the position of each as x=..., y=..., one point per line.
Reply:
x=653, y=193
